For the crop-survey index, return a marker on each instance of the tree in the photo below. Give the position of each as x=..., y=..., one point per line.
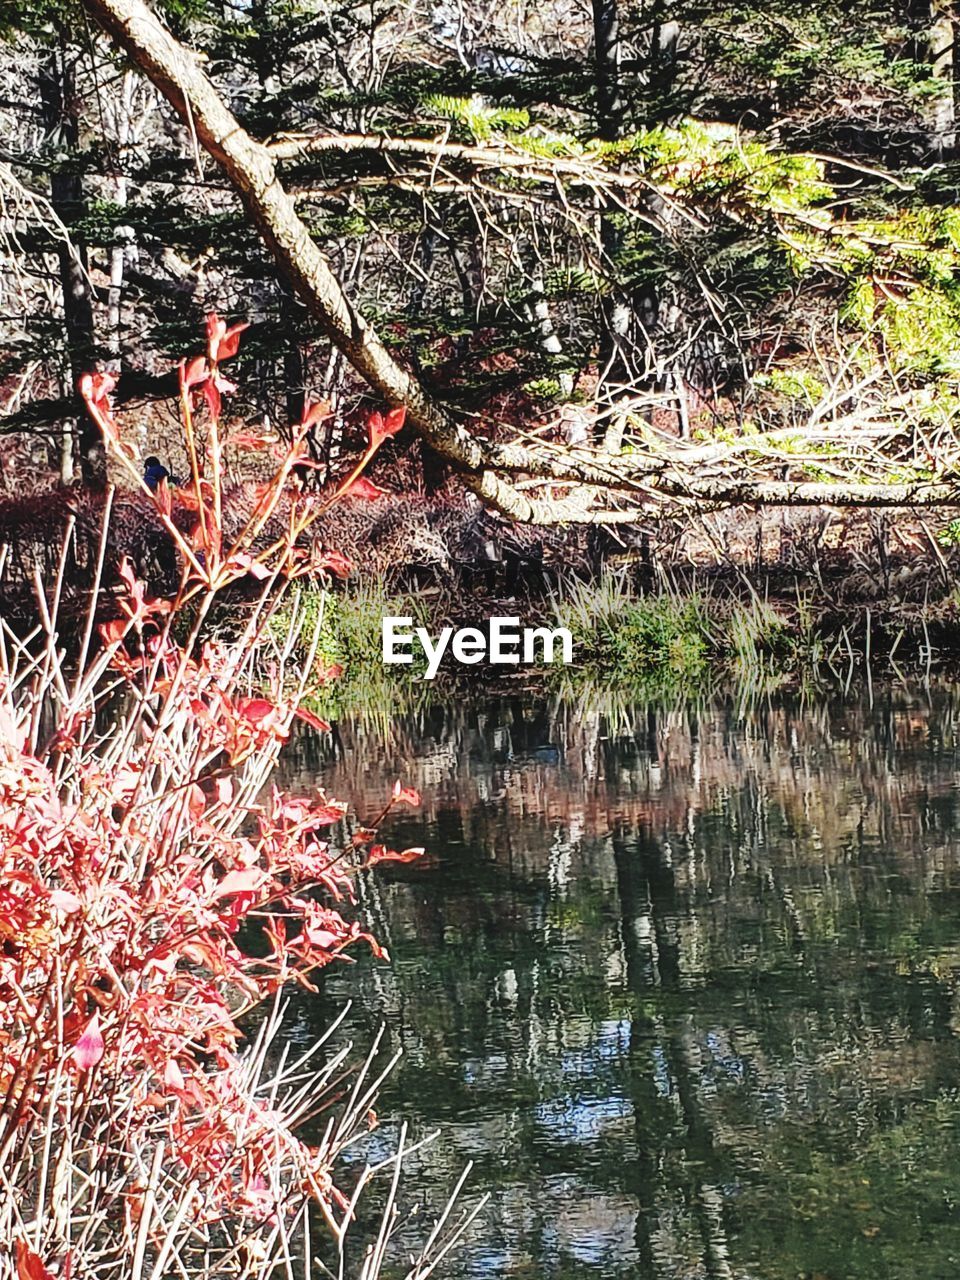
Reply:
x=456, y=184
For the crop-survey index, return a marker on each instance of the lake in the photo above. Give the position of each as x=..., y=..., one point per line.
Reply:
x=681, y=980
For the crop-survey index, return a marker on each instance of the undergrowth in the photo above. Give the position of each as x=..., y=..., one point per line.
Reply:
x=671, y=641
x=344, y=629
x=675, y=640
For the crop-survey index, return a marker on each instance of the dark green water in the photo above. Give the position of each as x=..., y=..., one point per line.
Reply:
x=683, y=985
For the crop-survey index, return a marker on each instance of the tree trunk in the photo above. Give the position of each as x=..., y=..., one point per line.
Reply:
x=945, y=60
x=536, y=309
x=58, y=100
x=295, y=391
x=614, y=365
x=124, y=236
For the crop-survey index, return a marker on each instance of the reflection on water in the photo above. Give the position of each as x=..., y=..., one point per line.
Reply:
x=684, y=987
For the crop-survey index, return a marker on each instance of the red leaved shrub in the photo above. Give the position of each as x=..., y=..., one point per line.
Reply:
x=141, y=846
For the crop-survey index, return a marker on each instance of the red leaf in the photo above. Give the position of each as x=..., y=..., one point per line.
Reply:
x=379, y=429
x=315, y=412
x=64, y=901
x=212, y=393
x=172, y=1075
x=230, y=342
x=336, y=563
x=313, y=721
x=375, y=427
x=328, y=814
x=30, y=1265
x=194, y=373
x=255, y=709
x=88, y=1050
x=113, y=632
x=130, y=579
x=380, y=853
x=196, y=803
x=95, y=389
x=247, y=564
x=163, y=497
x=249, y=881
x=405, y=795
x=364, y=488
x=222, y=343
x=253, y=440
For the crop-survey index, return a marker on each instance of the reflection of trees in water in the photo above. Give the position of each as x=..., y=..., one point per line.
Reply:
x=837, y=772
x=655, y=972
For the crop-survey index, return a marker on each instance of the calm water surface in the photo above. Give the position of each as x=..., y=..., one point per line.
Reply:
x=683, y=983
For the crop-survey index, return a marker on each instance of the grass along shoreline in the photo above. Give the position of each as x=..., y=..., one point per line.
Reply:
x=672, y=640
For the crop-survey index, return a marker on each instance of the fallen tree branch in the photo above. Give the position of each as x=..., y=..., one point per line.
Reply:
x=586, y=169
x=749, y=492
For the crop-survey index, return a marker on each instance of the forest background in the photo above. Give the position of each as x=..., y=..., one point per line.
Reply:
x=617, y=261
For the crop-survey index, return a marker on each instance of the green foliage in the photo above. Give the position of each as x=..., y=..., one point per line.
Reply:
x=805, y=56
x=481, y=119
x=675, y=640
x=923, y=330
x=719, y=162
x=349, y=624
x=564, y=281
x=662, y=640
x=548, y=145
x=795, y=384
x=732, y=223
x=543, y=388
x=759, y=641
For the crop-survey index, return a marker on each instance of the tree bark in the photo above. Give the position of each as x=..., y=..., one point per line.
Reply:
x=124, y=237
x=945, y=60
x=615, y=315
x=58, y=100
